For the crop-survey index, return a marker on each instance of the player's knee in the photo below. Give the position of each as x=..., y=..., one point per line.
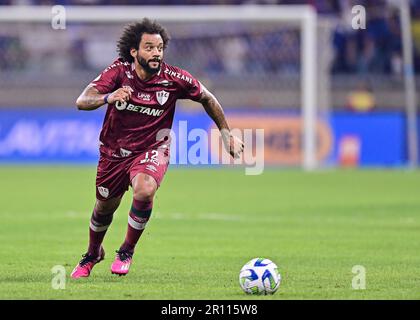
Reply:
x=107, y=207
x=145, y=192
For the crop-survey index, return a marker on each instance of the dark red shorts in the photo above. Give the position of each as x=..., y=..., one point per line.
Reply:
x=114, y=175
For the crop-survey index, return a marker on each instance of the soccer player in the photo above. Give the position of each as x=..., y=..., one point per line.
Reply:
x=140, y=90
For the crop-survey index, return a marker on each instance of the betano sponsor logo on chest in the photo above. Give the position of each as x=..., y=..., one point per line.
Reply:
x=140, y=109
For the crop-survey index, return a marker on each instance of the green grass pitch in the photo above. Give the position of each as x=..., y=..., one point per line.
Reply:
x=207, y=223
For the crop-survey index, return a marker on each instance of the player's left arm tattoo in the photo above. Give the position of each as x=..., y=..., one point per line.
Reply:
x=233, y=145
x=214, y=109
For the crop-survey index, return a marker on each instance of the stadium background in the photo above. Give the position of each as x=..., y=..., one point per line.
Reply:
x=360, y=71
x=345, y=217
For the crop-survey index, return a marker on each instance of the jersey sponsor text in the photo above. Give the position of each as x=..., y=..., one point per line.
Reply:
x=140, y=109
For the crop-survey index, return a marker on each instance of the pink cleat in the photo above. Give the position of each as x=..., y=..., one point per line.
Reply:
x=84, y=267
x=122, y=262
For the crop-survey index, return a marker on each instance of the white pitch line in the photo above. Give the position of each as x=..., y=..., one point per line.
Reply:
x=200, y=216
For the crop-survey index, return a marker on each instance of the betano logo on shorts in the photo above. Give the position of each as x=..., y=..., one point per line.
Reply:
x=140, y=109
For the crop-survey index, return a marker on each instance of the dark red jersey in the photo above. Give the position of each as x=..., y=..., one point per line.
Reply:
x=132, y=127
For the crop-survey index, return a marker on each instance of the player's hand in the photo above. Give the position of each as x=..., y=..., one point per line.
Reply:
x=233, y=144
x=121, y=95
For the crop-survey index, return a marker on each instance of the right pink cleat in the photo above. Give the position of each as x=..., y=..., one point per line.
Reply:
x=84, y=267
x=122, y=263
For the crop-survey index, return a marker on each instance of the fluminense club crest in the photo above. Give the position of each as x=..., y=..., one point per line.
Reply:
x=104, y=192
x=162, y=97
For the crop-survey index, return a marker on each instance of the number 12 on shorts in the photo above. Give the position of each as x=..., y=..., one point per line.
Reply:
x=153, y=157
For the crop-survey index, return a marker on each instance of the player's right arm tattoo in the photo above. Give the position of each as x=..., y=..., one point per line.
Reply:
x=90, y=99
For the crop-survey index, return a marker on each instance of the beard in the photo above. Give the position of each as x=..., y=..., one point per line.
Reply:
x=147, y=67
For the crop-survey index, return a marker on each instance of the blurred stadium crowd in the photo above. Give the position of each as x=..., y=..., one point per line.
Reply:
x=376, y=50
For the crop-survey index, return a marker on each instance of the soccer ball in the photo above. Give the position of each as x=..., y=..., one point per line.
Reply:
x=259, y=276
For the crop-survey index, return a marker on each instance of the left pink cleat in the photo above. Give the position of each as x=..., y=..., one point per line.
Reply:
x=122, y=263
x=84, y=267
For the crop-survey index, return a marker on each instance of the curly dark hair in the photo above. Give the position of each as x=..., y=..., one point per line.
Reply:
x=132, y=34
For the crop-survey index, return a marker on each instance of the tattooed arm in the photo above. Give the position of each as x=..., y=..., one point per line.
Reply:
x=91, y=99
x=213, y=108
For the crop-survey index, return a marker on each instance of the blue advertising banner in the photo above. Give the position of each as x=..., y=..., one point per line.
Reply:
x=71, y=136
x=381, y=137
x=49, y=136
